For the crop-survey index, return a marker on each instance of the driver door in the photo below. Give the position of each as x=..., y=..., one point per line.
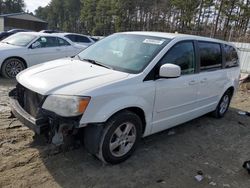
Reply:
x=47, y=49
x=176, y=98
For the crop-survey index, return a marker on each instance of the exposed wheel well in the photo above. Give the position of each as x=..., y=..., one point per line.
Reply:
x=21, y=59
x=138, y=111
x=231, y=90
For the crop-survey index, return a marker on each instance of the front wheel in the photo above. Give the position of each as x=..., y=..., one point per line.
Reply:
x=11, y=67
x=223, y=105
x=119, y=138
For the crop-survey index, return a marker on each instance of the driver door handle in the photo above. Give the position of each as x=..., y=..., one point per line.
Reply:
x=204, y=80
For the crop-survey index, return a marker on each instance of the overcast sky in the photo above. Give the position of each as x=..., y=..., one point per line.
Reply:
x=32, y=5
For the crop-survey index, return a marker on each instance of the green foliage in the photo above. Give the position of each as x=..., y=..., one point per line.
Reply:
x=103, y=17
x=11, y=6
x=88, y=14
x=62, y=15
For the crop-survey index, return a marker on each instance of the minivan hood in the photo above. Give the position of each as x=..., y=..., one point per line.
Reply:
x=67, y=77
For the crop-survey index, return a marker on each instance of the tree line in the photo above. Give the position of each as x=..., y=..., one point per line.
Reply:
x=216, y=18
x=225, y=19
x=11, y=6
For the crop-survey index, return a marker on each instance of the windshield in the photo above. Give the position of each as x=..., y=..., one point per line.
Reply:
x=19, y=39
x=125, y=52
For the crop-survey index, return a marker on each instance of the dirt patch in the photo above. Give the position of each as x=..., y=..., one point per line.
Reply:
x=215, y=147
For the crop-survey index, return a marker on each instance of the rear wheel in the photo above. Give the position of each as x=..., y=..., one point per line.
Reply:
x=118, y=139
x=223, y=105
x=11, y=67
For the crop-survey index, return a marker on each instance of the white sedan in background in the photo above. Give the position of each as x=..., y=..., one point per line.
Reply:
x=83, y=40
x=23, y=50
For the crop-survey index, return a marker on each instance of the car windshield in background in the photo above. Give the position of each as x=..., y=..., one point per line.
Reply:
x=125, y=52
x=19, y=39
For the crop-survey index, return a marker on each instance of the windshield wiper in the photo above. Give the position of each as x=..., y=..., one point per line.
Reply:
x=97, y=63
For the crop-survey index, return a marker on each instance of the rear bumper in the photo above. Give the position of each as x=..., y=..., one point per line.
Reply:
x=39, y=125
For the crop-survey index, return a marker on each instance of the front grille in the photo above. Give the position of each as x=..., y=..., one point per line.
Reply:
x=29, y=100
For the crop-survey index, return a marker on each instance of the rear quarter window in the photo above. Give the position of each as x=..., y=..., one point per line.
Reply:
x=62, y=42
x=210, y=55
x=83, y=39
x=231, y=57
x=72, y=38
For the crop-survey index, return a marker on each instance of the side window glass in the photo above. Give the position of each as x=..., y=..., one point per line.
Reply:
x=181, y=54
x=210, y=55
x=46, y=42
x=72, y=38
x=231, y=56
x=63, y=42
x=83, y=39
x=40, y=43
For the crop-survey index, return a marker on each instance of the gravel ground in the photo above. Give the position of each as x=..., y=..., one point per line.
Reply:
x=216, y=147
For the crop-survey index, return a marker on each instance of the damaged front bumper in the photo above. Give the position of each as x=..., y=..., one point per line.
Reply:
x=39, y=125
x=53, y=126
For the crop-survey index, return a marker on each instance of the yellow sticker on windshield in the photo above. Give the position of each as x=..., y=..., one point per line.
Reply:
x=153, y=41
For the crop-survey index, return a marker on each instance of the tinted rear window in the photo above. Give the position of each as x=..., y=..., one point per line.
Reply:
x=72, y=38
x=210, y=55
x=82, y=39
x=231, y=56
x=78, y=38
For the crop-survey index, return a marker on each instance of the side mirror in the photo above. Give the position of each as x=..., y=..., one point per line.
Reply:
x=170, y=71
x=35, y=45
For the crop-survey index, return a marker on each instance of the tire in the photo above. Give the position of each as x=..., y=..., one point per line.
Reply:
x=223, y=105
x=11, y=67
x=118, y=138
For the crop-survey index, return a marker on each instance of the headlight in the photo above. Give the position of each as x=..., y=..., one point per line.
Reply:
x=66, y=106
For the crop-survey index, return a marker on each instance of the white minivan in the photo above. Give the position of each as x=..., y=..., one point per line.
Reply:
x=127, y=86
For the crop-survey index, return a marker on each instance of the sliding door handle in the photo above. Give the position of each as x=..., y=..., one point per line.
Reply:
x=192, y=82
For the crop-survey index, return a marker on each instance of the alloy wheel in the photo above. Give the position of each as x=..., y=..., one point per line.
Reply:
x=13, y=68
x=123, y=139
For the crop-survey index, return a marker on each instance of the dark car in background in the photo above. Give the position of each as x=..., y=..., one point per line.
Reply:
x=6, y=34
